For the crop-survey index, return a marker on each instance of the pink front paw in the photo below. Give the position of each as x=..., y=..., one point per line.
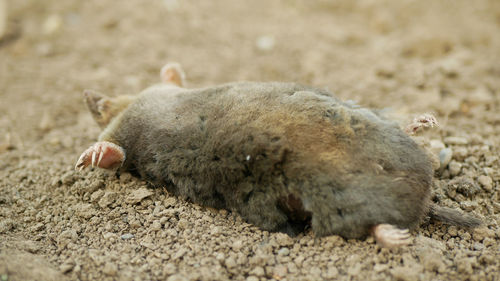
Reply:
x=103, y=154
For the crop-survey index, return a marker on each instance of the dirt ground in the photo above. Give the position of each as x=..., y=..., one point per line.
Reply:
x=407, y=56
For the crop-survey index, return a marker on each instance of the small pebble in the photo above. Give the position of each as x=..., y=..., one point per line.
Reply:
x=66, y=267
x=478, y=246
x=125, y=177
x=465, y=265
x=109, y=236
x=436, y=146
x=280, y=271
x=69, y=234
x=432, y=260
x=127, y=236
x=230, y=263
x=216, y=231
x=283, y=240
x=107, y=199
x=37, y=227
x=331, y=273
x=445, y=157
x=94, y=197
x=265, y=43
x=169, y=202
x=183, y=224
x=380, y=267
x=156, y=225
x=486, y=182
x=454, y=168
x=468, y=205
x=487, y=259
x=134, y=223
x=496, y=207
x=463, y=185
x=292, y=268
x=177, y=277
x=110, y=269
x=490, y=160
x=258, y=271
x=482, y=232
x=220, y=257
x=453, y=231
x=138, y=195
x=456, y=140
x=237, y=245
x=460, y=153
x=170, y=268
x=405, y=274
x=181, y=252
x=52, y=24
x=68, y=178
x=284, y=252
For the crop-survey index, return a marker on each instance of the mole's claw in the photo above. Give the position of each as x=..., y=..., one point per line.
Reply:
x=83, y=161
x=93, y=158
x=102, y=154
x=390, y=236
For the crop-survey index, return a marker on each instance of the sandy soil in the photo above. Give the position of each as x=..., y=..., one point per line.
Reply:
x=408, y=56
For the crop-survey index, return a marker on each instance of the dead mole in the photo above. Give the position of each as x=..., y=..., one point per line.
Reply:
x=282, y=155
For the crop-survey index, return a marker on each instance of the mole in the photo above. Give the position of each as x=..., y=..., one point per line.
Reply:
x=284, y=156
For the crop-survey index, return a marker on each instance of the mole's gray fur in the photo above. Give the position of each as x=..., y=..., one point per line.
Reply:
x=281, y=155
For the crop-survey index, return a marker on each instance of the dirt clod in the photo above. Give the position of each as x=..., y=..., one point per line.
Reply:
x=486, y=182
x=138, y=195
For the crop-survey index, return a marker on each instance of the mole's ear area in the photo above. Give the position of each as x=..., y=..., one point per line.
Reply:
x=172, y=73
x=98, y=105
x=104, y=108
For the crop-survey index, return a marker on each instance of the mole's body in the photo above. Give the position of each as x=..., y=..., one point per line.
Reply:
x=279, y=154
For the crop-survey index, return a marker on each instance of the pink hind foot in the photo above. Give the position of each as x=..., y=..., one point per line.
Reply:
x=172, y=73
x=103, y=154
x=389, y=236
x=422, y=121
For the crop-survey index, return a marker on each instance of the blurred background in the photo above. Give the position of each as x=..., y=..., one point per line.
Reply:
x=439, y=56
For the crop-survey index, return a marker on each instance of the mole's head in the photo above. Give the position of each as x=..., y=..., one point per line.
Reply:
x=104, y=108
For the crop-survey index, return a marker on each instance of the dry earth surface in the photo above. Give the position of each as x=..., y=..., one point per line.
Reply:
x=408, y=56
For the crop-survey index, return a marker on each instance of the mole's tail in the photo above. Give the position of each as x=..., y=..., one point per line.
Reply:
x=453, y=217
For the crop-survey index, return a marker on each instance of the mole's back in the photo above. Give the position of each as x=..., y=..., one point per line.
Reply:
x=278, y=154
